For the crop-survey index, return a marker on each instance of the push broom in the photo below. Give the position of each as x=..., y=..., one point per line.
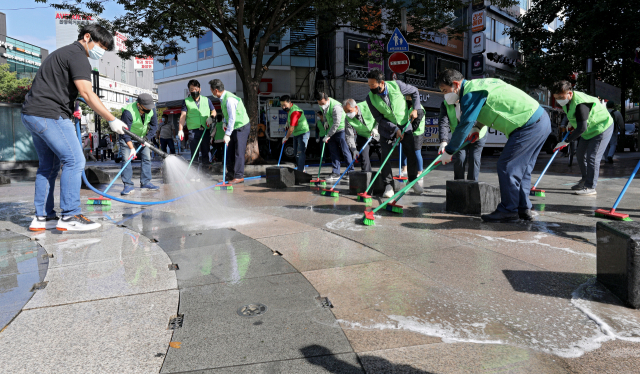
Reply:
x=369, y=219
x=280, y=158
x=366, y=198
x=332, y=192
x=103, y=200
x=319, y=182
x=536, y=192
x=604, y=213
x=224, y=186
x=400, y=178
x=195, y=153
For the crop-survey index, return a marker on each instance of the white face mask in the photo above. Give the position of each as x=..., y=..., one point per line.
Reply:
x=96, y=53
x=451, y=98
x=325, y=106
x=563, y=102
x=351, y=115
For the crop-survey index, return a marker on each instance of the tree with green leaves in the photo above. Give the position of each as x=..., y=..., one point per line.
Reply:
x=12, y=89
x=605, y=30
x=246, y=27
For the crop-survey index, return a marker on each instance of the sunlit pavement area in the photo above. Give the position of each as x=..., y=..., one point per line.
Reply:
x=289, y=281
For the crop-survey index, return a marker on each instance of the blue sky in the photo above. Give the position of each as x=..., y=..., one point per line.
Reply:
x=37, y=26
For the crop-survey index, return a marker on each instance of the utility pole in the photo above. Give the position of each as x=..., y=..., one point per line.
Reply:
x=96, y=90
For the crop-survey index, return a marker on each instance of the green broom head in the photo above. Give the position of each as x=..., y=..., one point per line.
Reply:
x=331, y=192
x=401, y=179
x=612, y=214
x=368, y=218
x=393, y=207
x=318, y=183
x=99, y=208
x=536, y=192
x=98, y=201
x=223, y=187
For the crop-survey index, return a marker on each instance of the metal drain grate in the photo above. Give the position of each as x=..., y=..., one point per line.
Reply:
x=324, y=302
x=173, y=267
x=39, y=286
x=252, y=310
x=175, y=322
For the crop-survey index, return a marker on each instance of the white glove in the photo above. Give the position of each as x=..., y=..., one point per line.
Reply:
x=375, y=134
x=133, y=154
x=181, y=135
x=560, y=146
x=209, y=122
x=441, y=148
x=227, y=139
x=474, y=135
x=284, y=140
x=116, y=126
x=326, y=139
x=445, y=158
x=355, y=154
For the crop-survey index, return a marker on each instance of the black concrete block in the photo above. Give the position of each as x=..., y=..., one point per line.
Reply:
x=280, y=177
x=4, y=180
x=96, y=176
x=470, y=197
x=302, y=177
x=360, y=180
x=618, y=259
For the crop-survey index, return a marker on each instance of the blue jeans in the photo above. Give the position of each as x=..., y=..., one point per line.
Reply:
x=144, y=155
x=516, y=164
x=300, y=149
x=338, y=144
x=56, y=143
x=613, y=143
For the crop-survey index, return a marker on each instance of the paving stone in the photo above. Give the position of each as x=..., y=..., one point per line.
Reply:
x=302, y=177
x=280, y=177
x=471, y=197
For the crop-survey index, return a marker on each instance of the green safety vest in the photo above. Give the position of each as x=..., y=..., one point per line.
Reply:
x=599, y=119
x=420, y=129
x=303, y=125
x=197, y=116
x=322, y=132
x=328, y=115
x=241, y=112
x=138, y=127
x=219, y=131
x=363, y=129
x=507, y=108
x=397, y=113
x=453, y=120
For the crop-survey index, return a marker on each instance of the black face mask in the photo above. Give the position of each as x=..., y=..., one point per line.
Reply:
x=377, y=90
x=195, y=95
x=285, y=109
x=143, y=110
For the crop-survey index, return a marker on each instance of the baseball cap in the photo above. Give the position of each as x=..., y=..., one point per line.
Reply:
x=146, y=101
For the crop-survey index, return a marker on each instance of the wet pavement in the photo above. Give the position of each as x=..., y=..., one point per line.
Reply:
x=289, y=281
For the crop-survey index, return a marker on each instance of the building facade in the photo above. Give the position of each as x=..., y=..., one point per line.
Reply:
x=23, y=58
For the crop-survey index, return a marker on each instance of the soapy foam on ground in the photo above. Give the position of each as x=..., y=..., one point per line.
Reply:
x=537, y=242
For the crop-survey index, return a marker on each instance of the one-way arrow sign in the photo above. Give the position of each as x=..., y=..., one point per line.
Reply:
x=397, y=43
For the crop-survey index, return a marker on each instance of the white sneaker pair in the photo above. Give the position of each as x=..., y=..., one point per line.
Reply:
x=70, y=223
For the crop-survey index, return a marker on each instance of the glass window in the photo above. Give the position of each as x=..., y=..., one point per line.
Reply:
x=139, y=72
x=490, y=31
x=501, y=38
x=357, y=53
x=447, y=64
x=524, y=4
x=417, y=63
x=205, y=41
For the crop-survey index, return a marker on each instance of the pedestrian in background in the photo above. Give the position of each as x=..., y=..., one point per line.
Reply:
x=618, y=129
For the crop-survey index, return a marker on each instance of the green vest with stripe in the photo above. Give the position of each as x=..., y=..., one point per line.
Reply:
x=219, y=132
x=397, y=113
x=599, y=119
x=138, y=126
x=507, y=108
x=197, y=116
x=303, y=125
x=420, y=129
x=328, y=115
x=453, y=120
x=242, y=118
x=363, y=129
x=322, y=132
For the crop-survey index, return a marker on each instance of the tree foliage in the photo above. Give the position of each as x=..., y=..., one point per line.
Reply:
x=12, y=89
x=605, y=30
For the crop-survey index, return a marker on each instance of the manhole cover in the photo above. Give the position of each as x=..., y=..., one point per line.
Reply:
x=252, y=310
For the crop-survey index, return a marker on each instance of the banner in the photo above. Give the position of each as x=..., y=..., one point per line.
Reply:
x=143, y=63
x=120, y=39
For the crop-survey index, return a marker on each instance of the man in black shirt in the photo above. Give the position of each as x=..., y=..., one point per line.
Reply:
x=48, y=114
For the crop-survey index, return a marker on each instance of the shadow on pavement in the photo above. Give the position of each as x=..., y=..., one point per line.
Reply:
x=546, y=283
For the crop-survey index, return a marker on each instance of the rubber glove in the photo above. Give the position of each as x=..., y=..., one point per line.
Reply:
x=116, y=126
x=560, y=146
x=326, y=139
x=355, y=153
x=284, y=140
x=474, y=135
x=227, y=139
x=375, y=134
x=133, y=155
x=209, y=122
x=78, y=113
x=445, y=158
x=181, y=135
x=441, y=148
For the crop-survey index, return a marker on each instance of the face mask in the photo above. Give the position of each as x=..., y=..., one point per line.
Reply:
x=563, y=102
x=451, y=98
x=351, y=115
x=285, y=109
x=377, y=90
x=194, y=95
x=142, y=110
x=325, y=106
x=96, y=53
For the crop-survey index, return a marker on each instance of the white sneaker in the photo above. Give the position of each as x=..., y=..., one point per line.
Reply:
x=388, y=191
x=43, y=223
x=586, y=191
x=76, y=223
x=417, y=188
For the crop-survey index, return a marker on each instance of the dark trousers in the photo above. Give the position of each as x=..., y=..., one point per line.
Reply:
x=365, y=162
x=236, y=150
x=408, y=148
x=218, y=149
x=164, y=143
x=516, y=164
x=202, y=155
x=338, y=144
x=470, y=154
x=589, y=155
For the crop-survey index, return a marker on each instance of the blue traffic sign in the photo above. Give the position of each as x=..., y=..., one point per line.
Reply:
x=397, y=43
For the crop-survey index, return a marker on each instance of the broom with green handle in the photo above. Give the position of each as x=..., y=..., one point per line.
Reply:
x=332, y=192
x=105, y=201
x=319, y=182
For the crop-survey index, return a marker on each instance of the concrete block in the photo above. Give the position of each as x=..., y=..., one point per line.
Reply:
x=471, y=197
x=360, y=180
x=96, y=176
x=618, y=259
x=302, y=177
x=4, y=180
x=280, y=177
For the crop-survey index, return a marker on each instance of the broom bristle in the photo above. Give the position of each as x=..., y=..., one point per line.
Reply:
x=391, y=207
x=98, y=202
x=604, y=213
x=368, y=218
x=537, y=192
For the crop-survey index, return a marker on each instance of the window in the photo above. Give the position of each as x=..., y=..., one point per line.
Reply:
x=357, y=53
x=205, y=46
x=489, y=32
x=447, y=64
x=139, y=73
x=417, y=63
x=524, y=4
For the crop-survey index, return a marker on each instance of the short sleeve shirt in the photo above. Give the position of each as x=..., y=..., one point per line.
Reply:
x=53, y=91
